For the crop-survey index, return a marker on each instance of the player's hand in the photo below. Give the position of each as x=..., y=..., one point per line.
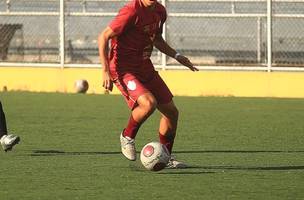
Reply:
x=107, y=83
x=186, y=62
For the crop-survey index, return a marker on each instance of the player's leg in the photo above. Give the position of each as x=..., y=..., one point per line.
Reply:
x=3, y=129
x=167, y=130
x=168, y=124
x=7, y=141
x=169, y=116
x=167, y=108
x=142, y=104
x=145, y=106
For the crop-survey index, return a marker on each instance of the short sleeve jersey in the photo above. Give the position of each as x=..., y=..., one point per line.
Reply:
x=136, y=27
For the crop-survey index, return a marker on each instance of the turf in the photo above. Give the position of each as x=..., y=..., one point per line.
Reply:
x=238, y=148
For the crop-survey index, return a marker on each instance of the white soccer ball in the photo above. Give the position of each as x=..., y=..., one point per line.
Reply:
x=154, y=156
x=81, y=86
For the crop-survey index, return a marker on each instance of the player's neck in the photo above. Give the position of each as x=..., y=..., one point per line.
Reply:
x=151, y=7
x=148, y=5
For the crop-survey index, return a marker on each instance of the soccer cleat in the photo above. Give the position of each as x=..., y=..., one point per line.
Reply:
x=128, y=147
x=174, y=164
x=8, y=141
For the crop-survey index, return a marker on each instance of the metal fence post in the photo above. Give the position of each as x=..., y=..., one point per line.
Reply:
x=269, y=35
x=259, y=39
x=164, y=56
x=8, y=5
x=84, y=6
x=62, y=33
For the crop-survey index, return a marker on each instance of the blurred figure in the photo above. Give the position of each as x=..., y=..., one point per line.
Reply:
x=133, y=33
x=7, y=141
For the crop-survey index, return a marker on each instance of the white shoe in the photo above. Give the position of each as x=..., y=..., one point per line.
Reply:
x=174, y=164
x=8, y=141
x=128, y=147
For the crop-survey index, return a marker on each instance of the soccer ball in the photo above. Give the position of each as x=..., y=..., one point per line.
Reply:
x=81, y=86
x=154, y=156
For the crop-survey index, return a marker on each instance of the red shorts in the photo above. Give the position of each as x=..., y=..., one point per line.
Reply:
x=133, y=87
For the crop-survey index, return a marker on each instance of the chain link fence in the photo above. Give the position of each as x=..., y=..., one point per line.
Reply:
x=212, y=33
x=288, y=37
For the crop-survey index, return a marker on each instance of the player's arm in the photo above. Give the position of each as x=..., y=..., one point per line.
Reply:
x=163, y=46
x=103, y=43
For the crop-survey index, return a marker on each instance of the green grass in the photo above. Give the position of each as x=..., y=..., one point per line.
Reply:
x=239, y=148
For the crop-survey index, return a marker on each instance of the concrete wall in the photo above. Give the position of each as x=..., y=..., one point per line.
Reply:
x=182, y=83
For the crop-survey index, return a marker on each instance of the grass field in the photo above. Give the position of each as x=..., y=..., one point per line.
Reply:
x=238, y=148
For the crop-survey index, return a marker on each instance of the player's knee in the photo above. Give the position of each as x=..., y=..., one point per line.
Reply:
x=149, y=103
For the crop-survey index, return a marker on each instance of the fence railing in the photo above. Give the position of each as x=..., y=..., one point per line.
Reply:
x=262, y=35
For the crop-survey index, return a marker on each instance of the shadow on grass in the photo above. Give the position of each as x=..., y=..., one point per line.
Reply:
x=222, y=169
x=75, y=153
x=253, y=168
x=194, y=169
x=184, y=172
x=135, y=166
x=57, y=152
x=237, y=151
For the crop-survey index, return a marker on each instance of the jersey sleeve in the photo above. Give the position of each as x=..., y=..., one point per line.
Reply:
x=163, y=18
x=124, y=19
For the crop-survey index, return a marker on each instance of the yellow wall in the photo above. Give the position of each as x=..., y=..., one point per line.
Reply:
x=182, y=83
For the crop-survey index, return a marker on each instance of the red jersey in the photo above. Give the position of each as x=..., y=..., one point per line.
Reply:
x=136, y=27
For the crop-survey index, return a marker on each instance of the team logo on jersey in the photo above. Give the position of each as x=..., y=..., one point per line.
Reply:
x=131, y=85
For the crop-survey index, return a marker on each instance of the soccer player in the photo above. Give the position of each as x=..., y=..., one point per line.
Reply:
x=133, y=33
x=7, y=141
